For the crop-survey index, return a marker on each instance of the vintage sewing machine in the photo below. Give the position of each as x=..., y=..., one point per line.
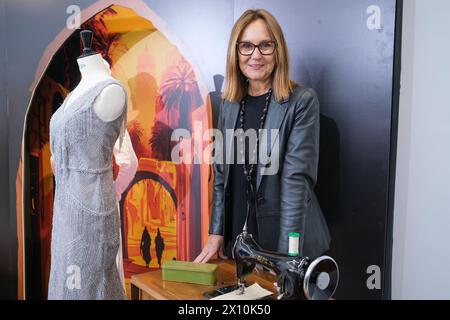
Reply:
x=297, y=277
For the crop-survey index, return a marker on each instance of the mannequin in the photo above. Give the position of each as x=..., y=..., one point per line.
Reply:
x=84, y=133
x=124, y=154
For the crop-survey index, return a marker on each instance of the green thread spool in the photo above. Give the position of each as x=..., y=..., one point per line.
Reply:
x=294, y=240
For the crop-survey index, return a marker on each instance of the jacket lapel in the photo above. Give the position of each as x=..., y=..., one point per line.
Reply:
x=230, y=123
x=275, y=117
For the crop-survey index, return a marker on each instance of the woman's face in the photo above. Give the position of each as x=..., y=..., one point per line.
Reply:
x=256, y=67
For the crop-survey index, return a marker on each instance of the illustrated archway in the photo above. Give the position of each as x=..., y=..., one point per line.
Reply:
x=156, y=106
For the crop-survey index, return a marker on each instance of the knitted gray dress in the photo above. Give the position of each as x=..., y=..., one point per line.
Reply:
x=85, y=231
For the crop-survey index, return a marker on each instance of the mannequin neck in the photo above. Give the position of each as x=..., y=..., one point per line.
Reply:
x=93, y=69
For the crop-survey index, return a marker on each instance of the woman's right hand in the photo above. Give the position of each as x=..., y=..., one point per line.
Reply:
x=213, y=245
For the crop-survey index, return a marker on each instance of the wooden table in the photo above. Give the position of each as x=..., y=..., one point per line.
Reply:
x=150, y=286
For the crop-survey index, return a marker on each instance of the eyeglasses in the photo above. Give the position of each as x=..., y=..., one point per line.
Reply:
x=247, y=48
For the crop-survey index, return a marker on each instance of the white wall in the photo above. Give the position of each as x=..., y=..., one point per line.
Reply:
x=421, y=247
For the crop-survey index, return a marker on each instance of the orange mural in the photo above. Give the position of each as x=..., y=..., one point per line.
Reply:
x=166, y=207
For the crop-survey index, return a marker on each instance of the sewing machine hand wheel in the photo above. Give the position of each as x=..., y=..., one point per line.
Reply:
x=321, y=279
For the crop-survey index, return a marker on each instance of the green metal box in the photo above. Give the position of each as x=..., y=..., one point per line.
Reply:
x=184, y=271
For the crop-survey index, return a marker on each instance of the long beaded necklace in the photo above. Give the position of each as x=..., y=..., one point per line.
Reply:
x=248, y=173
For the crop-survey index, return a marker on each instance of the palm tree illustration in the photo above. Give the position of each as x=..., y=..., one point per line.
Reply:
x=179, y=95
x=136, y=134
x=104, y=40
x=160, y=141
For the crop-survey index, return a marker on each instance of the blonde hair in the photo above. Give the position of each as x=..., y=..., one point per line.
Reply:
x=236, y=84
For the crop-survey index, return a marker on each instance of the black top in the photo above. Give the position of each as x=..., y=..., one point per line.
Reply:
x=252, y=120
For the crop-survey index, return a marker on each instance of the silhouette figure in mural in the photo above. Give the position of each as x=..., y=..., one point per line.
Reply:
x=146, y=243
x=159, y=246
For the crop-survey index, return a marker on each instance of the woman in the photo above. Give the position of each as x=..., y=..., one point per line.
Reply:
x=279, y=189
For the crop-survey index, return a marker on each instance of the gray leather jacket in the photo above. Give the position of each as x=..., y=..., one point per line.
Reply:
x=285, y=200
